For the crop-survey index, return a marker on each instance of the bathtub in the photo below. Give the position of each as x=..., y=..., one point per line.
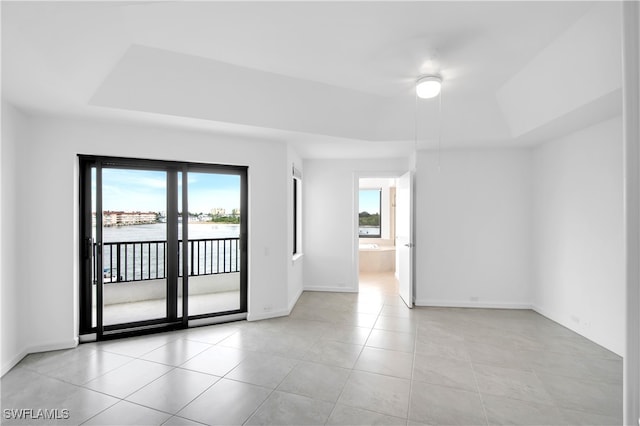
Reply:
x=364, y=246
x=377, y=257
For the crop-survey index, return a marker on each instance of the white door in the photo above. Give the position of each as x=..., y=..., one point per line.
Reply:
x=404, y=236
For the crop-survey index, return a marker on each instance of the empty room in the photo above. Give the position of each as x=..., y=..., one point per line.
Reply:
x=310, y=213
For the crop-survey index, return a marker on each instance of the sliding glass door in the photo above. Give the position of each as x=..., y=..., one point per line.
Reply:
x=134, y=245
x=214, y=242
x=152, y=231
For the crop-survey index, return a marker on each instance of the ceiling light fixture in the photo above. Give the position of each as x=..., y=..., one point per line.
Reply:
x=428, y=86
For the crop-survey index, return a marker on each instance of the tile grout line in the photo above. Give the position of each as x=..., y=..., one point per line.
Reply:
x=121, y=399
x=553, y=400
x=413, y=363
x=352, y=367
x=173, y=368
x=351, y=370
x=275, y=388
x=475, y=378
x=196, y=397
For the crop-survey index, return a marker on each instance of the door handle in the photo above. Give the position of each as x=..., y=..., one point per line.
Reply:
x=410, y=245
x=88, y=242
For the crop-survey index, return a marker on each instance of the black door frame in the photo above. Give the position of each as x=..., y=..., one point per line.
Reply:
x=172, y=321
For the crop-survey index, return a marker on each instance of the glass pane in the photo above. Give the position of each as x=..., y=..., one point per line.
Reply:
x=134, y=245
x=214, y=243
x=369, y=215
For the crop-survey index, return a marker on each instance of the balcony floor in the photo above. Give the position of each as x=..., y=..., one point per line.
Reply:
x=151, y=309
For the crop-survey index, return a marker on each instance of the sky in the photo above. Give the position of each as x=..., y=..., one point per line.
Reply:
x=369, y=200
x=145, y=190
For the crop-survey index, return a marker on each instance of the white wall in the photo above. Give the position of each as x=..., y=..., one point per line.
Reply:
x=330, y=230
x=48, y=201
x=473, y=228
x=631, y=123
x=15, y=314
x=579, y=240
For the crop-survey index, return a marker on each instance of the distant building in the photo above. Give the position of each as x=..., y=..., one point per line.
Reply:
x=235, y=212
x=122, y=218
x=219, y=211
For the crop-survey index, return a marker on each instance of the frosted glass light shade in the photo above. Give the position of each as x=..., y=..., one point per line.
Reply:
x=428, y=87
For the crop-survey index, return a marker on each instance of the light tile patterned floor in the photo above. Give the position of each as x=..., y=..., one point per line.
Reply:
x=338, y=359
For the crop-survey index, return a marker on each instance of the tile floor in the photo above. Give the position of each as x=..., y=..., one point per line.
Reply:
x=339, y=359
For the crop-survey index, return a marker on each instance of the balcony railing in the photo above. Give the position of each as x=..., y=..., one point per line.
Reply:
x=128, y=261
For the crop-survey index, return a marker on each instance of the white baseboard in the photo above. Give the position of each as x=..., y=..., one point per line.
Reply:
x=54, y=346
x=276, y=314
x=546, y=314
x=7, y=366
x=45, y=347
x=470, y=304
x=267, y=315
x=567, y=323
x=331, y=289
x=292, y=302
x=558, y=319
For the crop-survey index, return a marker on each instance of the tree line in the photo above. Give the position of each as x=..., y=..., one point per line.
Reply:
x=368, y=219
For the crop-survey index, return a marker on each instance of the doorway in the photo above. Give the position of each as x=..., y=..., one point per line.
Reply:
x=376, y=235
x=384, y=246
x=163, y=245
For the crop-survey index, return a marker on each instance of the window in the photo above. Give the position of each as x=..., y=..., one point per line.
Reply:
x=369, y=217
x=297, y=211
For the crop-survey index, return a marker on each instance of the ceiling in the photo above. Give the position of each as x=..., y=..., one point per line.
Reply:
x=332, y=78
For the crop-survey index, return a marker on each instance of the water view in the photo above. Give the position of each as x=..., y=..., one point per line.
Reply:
x=157, y=232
